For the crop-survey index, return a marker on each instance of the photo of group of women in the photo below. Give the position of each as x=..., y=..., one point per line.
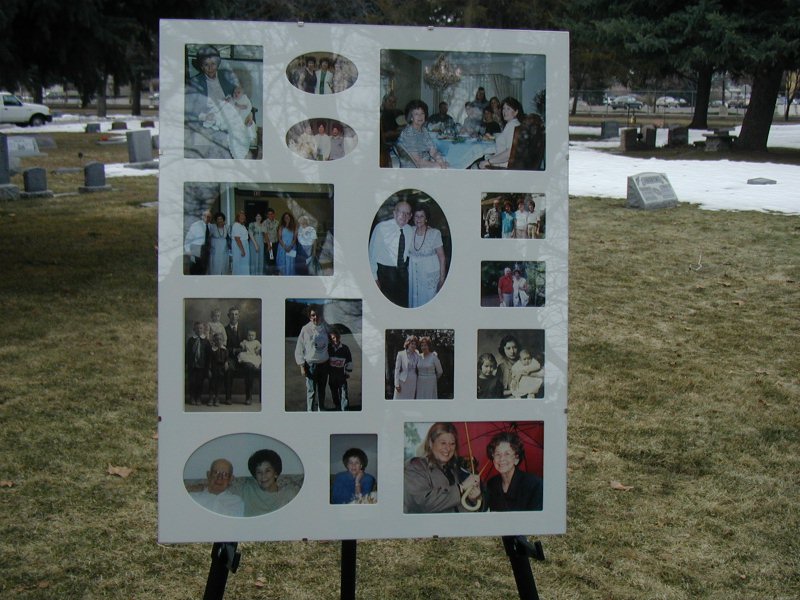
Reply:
x=354, y=469
x=323, y=354
x=321, y=139
x=462, y=110
x=410, y=248
x=258, y=229
x=322, y=73
x=513, y=216
x=512, y=284
x=223, y=114
x=419, y=364
x=510, y=363
x=243, y=475
x=223, y=353
x=494, y=466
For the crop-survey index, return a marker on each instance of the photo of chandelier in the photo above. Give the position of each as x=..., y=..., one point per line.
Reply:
x=442, y=73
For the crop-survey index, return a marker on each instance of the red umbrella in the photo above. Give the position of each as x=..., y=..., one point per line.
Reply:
x=474, y=437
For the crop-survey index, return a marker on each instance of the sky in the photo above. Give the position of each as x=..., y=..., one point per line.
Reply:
x=713, y=185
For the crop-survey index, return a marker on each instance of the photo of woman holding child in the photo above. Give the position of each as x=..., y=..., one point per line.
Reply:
x=510, y=364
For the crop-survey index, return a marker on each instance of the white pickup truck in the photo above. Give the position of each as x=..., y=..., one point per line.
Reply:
x=14, y=110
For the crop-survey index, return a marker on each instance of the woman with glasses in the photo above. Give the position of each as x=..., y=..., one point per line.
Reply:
x=511, y=488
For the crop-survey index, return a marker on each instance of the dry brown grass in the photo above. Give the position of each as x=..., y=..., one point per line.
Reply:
x=683, y=384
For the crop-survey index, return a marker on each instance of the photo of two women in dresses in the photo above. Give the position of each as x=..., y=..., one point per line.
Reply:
x=419, y=364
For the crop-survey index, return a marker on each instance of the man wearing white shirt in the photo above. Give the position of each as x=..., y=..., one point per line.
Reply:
x=311, y=355
x=388, y=254
x=216, y=497
x=324, y=78
x=197, y=244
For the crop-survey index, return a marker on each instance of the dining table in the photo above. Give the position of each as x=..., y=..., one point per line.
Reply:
x=460, y=153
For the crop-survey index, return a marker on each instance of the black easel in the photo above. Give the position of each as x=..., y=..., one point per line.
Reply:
x=520, y=551
x=224, y=559
x=348, y=577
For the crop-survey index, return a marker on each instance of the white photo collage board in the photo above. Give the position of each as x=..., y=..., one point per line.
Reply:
x=363, y=271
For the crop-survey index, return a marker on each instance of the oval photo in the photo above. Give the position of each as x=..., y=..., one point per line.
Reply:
x=321, y=139
x=322, y=73
x=410, y=248
x=243, y=475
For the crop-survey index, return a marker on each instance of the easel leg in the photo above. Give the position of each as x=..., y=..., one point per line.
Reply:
x=224, y=559
x=348, y=579
x=520, y=551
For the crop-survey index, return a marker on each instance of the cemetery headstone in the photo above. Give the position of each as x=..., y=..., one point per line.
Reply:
x=761, y=181
x=629, y=139
x=23, y=145
x=609, y=129
x=45, y=141
x=140, y=148
x=678, y=136
x=117, y=125
x=719, y=141
x=649, y=137
x=35, y=180
x=94, y=178
x=148, y=124
x=154, y=141
x=650, y=191
x=93, y=128
x=8, y=191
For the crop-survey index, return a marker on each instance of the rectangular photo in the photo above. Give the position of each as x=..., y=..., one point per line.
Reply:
x=283, y=229
x=354, y=468
x=223, y=353
x=323, y=354
x=223, y=106
x=419, y=364
x=510, y=284
x=462, y=467
x=462, y=110
x=513, y=216
x=510, y=363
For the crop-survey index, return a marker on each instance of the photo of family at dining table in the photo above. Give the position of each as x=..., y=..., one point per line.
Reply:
x=223, y=114
x=409, y=248
x=277, y=229
x=510, y=364
x=462, y=110
x=243, y=475
x=510, y=284
x=223, y=354
x=463, y=467
x=513, y=216
x=419, y=364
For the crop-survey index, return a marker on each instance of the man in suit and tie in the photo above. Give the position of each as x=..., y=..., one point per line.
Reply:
x=388, y=254
x=237, y=332
x=198, y=361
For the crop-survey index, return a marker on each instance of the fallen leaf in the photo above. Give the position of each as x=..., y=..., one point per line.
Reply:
x=738, y=302
x=6, y=483
x=260, y=582
x=119, y=471
x=616, y=485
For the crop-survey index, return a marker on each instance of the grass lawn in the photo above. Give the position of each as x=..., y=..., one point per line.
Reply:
x=683, y=385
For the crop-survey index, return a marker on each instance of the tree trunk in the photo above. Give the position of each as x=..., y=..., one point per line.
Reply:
x=760, y=112
x=102, y=105
x=700, y=116
x=136, y=95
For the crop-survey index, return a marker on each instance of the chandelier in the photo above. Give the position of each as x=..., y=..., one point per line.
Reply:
x=442, y=74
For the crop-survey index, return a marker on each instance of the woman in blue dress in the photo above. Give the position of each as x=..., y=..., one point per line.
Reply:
x=256, y=233
x=507, y=221
x=218, y=257
x=287, y=244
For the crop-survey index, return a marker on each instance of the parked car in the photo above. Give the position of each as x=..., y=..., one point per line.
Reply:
x=738, y=103
x=14, y=110
x=628, y=102
x=669, y=102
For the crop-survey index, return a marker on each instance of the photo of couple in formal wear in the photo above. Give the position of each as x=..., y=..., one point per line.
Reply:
x=223, y=103
x=323, y=354
x=512, y=284
x=322, y=73
x=243, y=475
x=358, y=482
x=419, y=364
x=410, y=248
x=277, y=229
x=510, y=364
x=223, y=354
x=463, y=467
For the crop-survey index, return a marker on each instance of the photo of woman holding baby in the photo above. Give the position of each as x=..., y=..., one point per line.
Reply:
x=511, y=364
